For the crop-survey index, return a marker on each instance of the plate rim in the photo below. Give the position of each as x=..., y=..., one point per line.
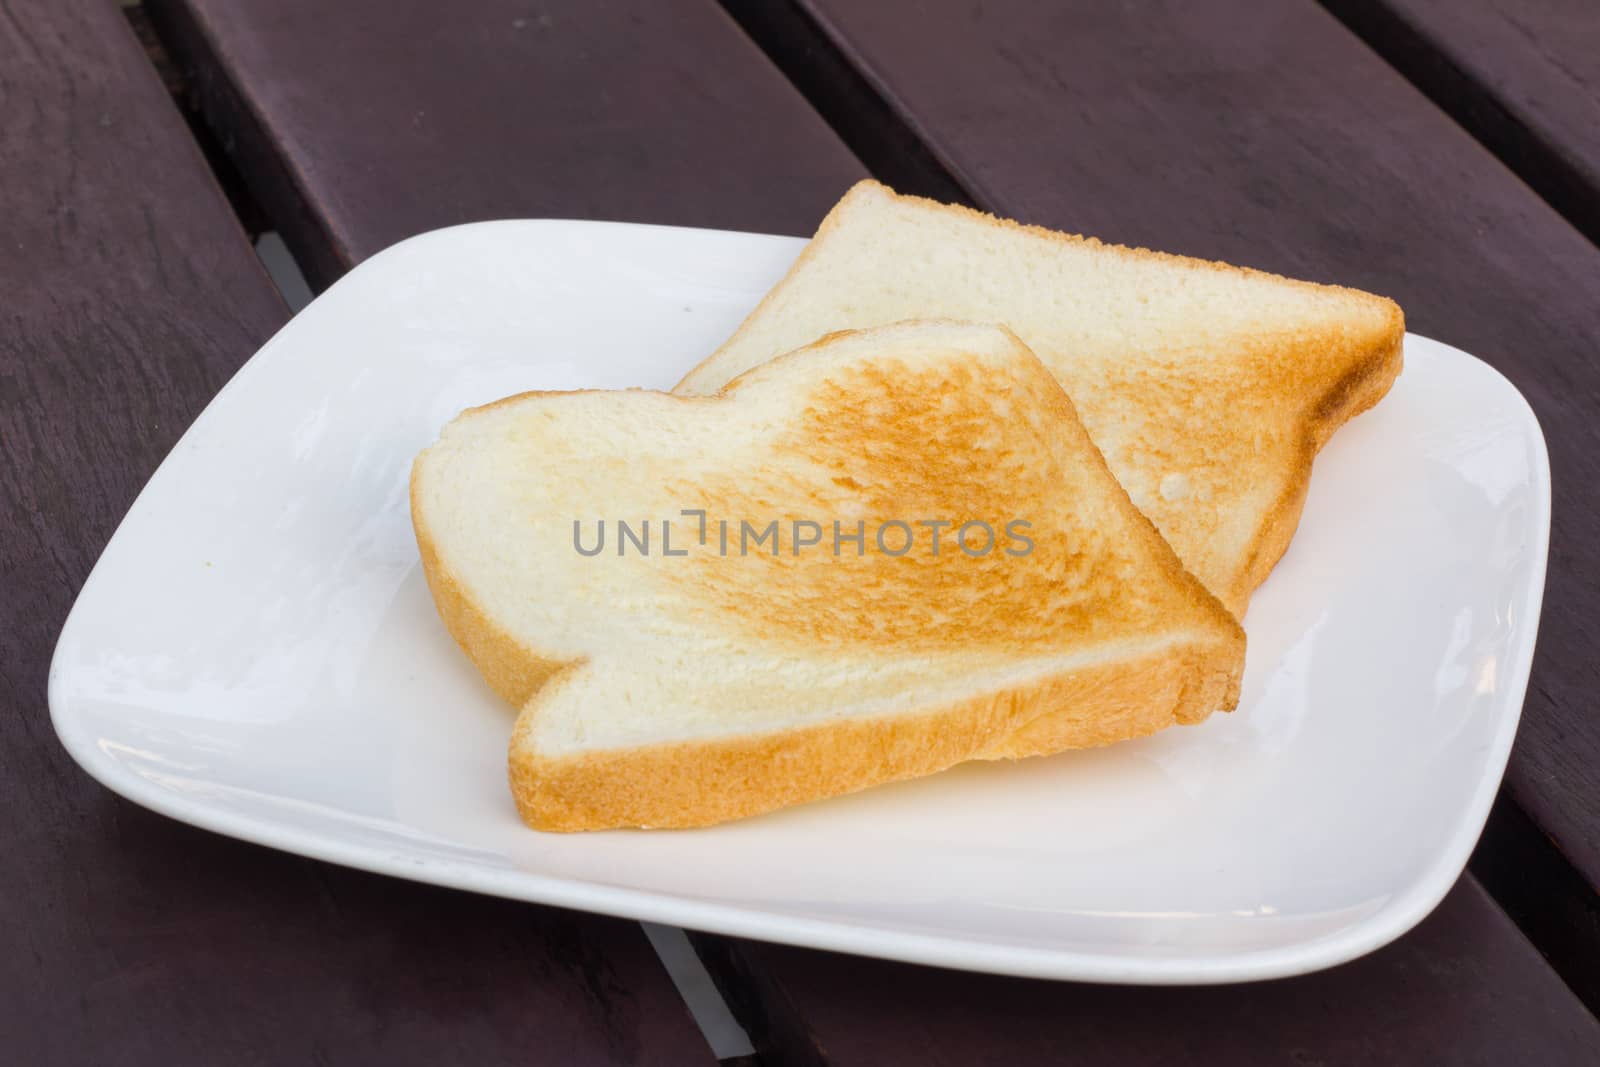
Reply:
x=1393, y=918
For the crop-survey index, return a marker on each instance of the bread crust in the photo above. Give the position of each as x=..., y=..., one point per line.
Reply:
x=1362, y=386
x=512, y=670
x=698, y=783
x=868, y=185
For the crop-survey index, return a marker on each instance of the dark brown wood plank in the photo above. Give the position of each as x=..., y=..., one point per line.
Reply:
x=1463, y=988
x=1523, y=76
x=130, y=296
x=367, y=121
x=1269, y=135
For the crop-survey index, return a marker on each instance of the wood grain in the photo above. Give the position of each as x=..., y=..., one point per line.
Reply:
x=1523, y=76
x=1268, y=135
x=1463, y=988
x=368, y=121
x=130, y=296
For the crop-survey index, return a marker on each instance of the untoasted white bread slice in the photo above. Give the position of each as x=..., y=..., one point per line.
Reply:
x=1208, y=388
x=679, y=690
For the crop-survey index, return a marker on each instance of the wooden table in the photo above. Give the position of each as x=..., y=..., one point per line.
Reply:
x=1446, y=152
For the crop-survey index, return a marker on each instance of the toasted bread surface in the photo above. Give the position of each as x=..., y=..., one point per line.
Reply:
x=682, y=688
x=1209, y=388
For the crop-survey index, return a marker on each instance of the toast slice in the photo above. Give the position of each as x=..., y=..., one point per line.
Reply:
x=1208, y=388
x=668, y=681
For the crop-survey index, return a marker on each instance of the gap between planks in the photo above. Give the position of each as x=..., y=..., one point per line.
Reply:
x=1475, y=107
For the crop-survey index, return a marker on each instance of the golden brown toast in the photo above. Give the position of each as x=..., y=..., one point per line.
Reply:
x=1208, y=388
x=670, y=681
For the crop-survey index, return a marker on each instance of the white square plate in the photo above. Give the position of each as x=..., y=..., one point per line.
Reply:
x=256, y=653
